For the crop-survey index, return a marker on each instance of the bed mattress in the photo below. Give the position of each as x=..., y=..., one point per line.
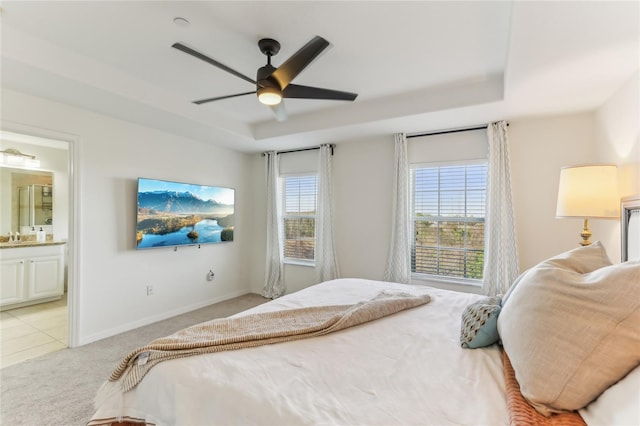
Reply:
x=405, y=369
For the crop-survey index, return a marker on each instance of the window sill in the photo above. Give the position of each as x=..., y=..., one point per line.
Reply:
x=448, y=283
x=299, y=262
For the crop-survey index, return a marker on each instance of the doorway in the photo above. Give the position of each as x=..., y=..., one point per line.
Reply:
x=41, y=324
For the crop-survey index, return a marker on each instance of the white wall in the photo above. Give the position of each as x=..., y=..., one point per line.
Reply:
x=362, y=179
x=363, y=185
x=617, y=135
x=538, y=149
x=617, y=141
x=113, y=276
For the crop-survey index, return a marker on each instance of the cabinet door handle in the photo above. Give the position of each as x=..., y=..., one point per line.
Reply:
x=22, y=262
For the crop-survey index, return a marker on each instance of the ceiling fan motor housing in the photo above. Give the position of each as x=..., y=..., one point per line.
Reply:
x=263, y=77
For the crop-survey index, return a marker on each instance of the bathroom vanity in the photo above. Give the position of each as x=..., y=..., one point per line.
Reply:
x=31, y=272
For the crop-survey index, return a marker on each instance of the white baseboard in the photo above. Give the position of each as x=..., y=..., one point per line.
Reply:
x=83, y=340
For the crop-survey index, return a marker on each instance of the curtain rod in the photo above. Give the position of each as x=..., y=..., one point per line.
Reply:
x=444, y=132
x=301, y=149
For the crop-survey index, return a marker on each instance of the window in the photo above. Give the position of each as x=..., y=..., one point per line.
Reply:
x=299, y=217
x=448, y=211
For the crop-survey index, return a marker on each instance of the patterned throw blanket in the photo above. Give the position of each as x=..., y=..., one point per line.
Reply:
x=256, y=330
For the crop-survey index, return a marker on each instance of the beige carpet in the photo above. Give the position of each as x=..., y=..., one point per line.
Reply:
x=58, y=388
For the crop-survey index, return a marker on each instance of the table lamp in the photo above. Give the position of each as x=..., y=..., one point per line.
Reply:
x=588, y=191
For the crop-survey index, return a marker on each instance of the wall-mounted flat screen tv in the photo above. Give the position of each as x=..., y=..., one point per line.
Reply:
x=173, y=214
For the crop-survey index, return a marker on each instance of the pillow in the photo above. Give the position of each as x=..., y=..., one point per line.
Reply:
x=618, y=405
x=572, y=329
x=582, y=259
x=513, y=286
x=480, y=323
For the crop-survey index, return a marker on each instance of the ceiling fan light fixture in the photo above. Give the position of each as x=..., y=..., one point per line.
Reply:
x=269, y=95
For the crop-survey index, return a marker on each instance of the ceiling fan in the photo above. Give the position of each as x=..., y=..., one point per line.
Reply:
x=274, y=84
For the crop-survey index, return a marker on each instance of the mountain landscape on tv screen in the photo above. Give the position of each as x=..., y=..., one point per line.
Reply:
x=180, y=202
x=171, y=218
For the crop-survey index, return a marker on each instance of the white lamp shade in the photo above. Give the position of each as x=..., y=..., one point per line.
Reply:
x=588, y=191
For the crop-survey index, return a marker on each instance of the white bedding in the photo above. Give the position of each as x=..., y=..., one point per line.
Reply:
x=406, y=369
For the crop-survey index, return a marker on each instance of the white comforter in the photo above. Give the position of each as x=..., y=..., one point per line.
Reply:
x=406, y=369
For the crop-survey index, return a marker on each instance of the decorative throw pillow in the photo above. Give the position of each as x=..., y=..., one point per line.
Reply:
x=480, y=323
x=571, y=328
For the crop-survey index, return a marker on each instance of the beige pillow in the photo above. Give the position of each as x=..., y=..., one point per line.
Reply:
x=571, y=328
x=581, y=259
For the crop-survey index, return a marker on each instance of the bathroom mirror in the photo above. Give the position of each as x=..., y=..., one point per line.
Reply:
x=27, y=199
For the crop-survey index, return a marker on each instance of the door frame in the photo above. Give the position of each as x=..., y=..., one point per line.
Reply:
x=74, y=226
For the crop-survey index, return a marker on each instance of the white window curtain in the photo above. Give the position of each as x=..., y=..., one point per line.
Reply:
x=274, y=280
x=501, y=251
x=326, y=263
x=398, y=267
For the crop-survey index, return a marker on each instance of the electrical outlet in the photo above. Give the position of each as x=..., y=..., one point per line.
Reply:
x=150, y=290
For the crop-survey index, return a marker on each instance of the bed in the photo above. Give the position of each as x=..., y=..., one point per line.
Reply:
x=409, y=368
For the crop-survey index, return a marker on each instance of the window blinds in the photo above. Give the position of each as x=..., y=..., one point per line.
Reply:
x=448, y=220
x=300, y=193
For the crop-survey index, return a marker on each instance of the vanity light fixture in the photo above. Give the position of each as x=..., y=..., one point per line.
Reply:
x=13, y=157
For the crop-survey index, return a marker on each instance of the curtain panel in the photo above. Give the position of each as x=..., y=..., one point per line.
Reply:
x=326, y=262
x=274, y=280
x=501, y=250
x=398, y=267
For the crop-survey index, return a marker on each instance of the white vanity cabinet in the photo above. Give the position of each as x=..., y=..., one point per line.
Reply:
x=31, y=274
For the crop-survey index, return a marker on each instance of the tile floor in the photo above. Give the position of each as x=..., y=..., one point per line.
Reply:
x=32, y=331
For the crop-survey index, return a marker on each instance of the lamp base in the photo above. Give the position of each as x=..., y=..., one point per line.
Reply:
x=585, y=234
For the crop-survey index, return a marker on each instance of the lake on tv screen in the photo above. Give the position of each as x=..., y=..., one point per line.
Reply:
x=208, y=231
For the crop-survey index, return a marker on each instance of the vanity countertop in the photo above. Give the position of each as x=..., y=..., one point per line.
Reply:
x=21, y=244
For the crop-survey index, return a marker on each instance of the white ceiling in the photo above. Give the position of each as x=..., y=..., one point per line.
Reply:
x=416, y=65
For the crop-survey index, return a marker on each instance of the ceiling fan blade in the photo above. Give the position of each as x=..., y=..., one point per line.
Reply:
x=279, y=111
x=213, y=62
x=308, y=92
x=299, y=61
x=204, y=101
